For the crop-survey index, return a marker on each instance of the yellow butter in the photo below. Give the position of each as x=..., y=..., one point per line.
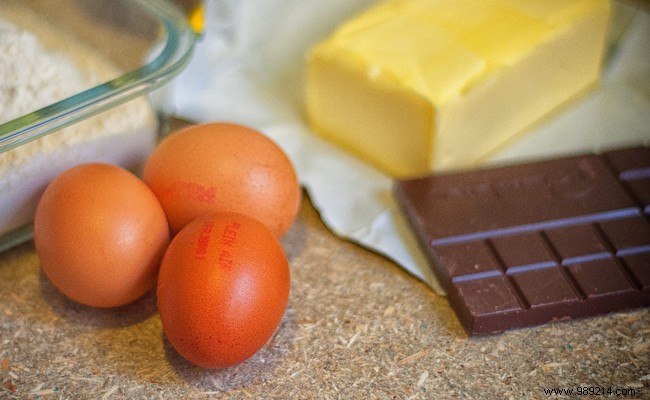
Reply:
x=419, y=85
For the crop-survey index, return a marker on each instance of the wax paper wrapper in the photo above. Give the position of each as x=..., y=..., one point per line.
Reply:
x=249, y=68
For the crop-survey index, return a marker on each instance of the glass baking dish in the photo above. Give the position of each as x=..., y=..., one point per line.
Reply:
x=147, y=42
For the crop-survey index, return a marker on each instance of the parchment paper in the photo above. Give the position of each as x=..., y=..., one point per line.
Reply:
x=248, y=68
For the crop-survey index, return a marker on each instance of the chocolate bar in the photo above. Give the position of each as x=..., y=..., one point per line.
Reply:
x=523, y=245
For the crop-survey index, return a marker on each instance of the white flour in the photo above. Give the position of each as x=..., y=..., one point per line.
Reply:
x=33, y=76
x=30, y=76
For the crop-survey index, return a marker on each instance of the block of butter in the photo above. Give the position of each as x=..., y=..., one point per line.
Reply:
x=418, y=85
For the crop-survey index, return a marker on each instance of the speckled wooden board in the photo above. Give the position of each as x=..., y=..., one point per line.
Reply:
x=357, y=326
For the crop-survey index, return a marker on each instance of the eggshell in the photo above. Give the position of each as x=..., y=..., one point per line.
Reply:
x=222, y=289
x=100, y=234
x=218, y=167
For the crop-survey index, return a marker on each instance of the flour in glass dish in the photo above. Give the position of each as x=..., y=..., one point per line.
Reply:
x=32, y=76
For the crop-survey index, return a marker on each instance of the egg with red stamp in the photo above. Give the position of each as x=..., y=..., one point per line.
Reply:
x=218, y=167
x=223, y=288
x=100, y=233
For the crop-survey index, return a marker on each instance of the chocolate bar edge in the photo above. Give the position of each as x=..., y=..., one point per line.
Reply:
x=467, y=321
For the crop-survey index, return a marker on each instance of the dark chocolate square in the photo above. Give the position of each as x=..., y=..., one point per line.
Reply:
x=633, y=167
x=640, y=189
x=488, y=296
x=628, y=235
x=467, y=260
x=577, y=243
x=639, y=266
x=544, y=286
x=534, y=255
x=600, y=277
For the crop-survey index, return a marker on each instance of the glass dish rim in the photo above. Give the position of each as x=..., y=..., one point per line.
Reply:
x=172, y=57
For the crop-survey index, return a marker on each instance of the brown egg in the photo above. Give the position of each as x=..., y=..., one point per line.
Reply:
x=220, y=167
x=100, y=233
x=222, y=289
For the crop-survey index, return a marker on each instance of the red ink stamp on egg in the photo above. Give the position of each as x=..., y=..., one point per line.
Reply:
x=203, y=240
x=191, y=191
x=225, y=259
x=228, y=239
x=229, y=234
